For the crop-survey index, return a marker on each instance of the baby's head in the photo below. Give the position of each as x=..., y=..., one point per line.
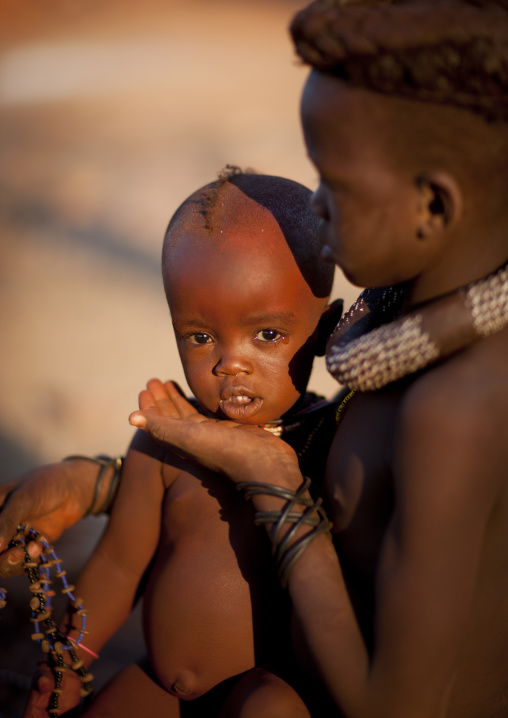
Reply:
x=246, y=290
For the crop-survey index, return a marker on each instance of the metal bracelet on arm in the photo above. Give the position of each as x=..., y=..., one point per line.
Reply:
x=284, y=552
x=105, y=462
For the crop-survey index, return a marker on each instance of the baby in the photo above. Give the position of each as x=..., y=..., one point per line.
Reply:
x=247, y=294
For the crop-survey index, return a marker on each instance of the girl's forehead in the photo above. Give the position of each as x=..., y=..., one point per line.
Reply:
x=334, y=105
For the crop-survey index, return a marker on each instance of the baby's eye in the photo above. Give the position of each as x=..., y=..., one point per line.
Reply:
x=268, y=335
x=200, y=338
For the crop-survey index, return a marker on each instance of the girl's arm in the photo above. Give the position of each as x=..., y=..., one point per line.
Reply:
x=50, y=498
x=427, y=575
x=108, y=584
x=428, y=571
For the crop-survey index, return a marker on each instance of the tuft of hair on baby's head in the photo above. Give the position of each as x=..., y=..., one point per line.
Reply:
x=240, y=199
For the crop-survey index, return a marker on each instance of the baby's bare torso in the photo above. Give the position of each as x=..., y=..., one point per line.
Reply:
x=203, y=592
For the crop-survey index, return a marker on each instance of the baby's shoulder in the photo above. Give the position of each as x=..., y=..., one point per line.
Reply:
x=147, y=457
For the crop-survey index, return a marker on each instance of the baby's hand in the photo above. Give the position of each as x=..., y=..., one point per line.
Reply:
x=42, y=686
x=241, y=452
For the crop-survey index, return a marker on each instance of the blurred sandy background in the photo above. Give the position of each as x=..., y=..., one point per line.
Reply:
x=111, y=113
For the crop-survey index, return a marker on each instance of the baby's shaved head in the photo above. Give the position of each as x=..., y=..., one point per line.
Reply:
x=243, y=202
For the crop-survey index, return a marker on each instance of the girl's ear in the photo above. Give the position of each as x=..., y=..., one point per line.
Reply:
x=327, y=323
x=441, y=205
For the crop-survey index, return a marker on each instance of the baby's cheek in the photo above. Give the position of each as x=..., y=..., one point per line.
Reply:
x=202, y=386
x=299, y=368
x=285, y=394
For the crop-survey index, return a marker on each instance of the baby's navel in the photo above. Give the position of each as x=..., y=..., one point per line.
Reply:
x=184, y=684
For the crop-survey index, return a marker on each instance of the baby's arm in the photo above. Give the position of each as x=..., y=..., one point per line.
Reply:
x=108, y=584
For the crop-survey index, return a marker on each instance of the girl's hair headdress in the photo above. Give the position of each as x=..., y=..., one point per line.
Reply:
x=443, y=51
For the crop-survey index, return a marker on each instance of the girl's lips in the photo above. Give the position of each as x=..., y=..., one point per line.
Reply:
x=241, y=407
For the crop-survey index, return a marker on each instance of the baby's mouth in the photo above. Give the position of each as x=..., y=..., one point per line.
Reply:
x=240, y=406
x=242, y=399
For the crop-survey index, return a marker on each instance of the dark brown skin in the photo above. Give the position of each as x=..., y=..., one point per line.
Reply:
x=415, y=479
x=205, y=617
x=198, y=616
x=244, y=317
x=436, y=559
x=406, y=613
x=51, y=499
x=440, y=547
x=246, y=326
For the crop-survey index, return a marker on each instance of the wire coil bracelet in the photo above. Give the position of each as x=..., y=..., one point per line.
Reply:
x=53, y=642
x=284, y=552
x=105, y=463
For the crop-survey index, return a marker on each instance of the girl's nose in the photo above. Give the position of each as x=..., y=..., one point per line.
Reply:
x=318, y=204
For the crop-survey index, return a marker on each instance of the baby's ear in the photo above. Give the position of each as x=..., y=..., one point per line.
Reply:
x=327, y=323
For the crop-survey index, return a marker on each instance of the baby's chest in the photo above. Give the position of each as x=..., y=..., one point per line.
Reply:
x=199, y=503
x=188, y=505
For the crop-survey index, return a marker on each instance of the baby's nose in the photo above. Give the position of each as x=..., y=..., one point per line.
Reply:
x=232, y=363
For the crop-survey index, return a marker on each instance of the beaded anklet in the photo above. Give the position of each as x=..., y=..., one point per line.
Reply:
x=105, y=462
x=53, y=642
x=285, y=554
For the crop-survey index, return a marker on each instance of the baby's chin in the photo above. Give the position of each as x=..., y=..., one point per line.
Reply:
x=252, y=413
x=242, y=409
x=255, y=412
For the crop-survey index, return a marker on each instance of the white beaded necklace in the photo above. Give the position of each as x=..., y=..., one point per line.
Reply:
x=413, y=341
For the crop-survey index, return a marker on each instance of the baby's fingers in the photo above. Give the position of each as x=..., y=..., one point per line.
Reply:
x=39, y=696
x=43, y=683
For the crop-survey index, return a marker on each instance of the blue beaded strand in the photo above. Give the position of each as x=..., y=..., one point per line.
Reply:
x=44, y=566
x=53, y=643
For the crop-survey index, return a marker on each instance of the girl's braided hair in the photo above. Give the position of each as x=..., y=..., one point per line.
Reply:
x=443, y=51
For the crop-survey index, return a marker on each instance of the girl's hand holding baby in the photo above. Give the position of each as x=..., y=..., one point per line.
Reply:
x=242, y=452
